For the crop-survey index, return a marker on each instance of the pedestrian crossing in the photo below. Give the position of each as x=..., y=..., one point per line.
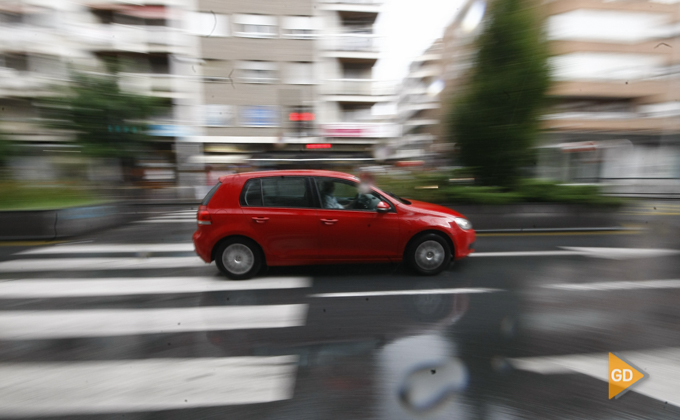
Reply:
x=179, y=216
x=111, y=381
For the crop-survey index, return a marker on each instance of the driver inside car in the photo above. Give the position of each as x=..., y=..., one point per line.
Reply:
x=328, y=199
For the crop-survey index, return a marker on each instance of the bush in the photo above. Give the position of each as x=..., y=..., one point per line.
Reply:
x=23, y=196
x=436, y=187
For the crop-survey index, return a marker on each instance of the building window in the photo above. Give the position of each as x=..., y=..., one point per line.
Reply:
x=259, y=116
x=218, y=115
x=256, y=72
x=255, y=26
x=298, y=27
x=300, y=73
x=208, y=24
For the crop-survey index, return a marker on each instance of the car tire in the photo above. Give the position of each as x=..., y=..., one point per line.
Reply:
x=239, y=258
x=429, y=254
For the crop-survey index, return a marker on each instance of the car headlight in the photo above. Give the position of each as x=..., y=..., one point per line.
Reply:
x=463, y=223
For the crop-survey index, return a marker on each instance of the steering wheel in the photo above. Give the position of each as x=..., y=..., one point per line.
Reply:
x=360, y=202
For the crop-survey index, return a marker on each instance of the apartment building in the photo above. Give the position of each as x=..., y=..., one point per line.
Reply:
x=287, y=85
x=349, y=49
x=44, y=40
x=616, y=73
x=614, y=97
x=419, y=108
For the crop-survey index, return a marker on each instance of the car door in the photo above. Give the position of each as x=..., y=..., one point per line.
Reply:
x=282, y=214
x=350, y=227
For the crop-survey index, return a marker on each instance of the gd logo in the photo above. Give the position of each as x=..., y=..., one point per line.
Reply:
x=622, y=375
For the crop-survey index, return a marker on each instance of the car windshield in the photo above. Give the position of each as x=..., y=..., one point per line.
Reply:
x=396, y=197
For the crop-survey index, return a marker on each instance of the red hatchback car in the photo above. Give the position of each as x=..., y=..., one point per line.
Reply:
x=300, y=217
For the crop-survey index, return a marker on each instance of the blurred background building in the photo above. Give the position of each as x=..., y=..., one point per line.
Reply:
x=245, y=84
x=614, y=102
x=614, y=117
x=419, y=108
x=255, y=84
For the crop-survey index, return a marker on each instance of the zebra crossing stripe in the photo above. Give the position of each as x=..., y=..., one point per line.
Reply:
x=110, y=263
x=57, y=288
x=33, y=325
x=109, y=248
x=119, y=386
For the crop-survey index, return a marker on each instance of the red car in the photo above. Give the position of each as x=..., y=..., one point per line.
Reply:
x=299, y=217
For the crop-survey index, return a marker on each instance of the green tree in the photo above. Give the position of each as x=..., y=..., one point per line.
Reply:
x=106, y=121
x=496, y=120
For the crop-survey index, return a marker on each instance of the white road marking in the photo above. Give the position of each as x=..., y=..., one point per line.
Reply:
x=56, y=288
x=609, y=253
x=53, y=264
x=97, y=387
x=617, y=285
x=406, y=292
x=622, y=253
x=108, y=248
x=661, y=365
x=524, y=254
x=29, y=325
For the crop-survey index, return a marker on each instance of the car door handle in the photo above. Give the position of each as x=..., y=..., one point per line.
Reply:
x=260, y=219
x=329, y=221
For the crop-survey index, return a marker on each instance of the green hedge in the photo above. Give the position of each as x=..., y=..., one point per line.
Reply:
x=437, y=188
x=25, y=196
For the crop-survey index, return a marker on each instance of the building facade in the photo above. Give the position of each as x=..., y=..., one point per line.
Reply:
x=614, y=94
x=419, y=108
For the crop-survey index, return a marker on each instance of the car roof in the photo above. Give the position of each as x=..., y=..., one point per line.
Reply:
x=292, y=172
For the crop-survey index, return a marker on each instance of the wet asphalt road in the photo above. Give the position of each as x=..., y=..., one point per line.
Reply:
x=144, y=331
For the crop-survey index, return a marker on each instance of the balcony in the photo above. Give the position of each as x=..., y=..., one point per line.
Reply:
x=353, y=47
x=142, y=39
x=22, y=83
x=27, y=38
x=159, y=85
x=357, y=90
x=360, y=6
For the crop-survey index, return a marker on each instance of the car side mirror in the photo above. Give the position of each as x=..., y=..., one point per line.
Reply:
x=383, y=207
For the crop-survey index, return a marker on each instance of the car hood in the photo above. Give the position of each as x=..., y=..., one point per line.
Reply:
x=432, y=209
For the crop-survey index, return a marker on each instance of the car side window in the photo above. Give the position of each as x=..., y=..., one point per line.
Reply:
x=341, y=194
x=282, y=191
x=251, y=196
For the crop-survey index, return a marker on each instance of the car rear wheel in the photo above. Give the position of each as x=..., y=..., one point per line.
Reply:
x=239, y=259
x=429, y=254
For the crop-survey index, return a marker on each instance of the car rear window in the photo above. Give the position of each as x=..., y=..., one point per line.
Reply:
x=277, y=192
x=210, y=194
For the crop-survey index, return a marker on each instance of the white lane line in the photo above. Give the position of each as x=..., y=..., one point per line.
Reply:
x=608, y=253
x=524, y=254
x=622, y=253
x=406, y=292
x=52, y=264
x=31, y=325
x=56, y=288
x=108, y=248
x=71, y=388
x=661, y=365
x=617, y=285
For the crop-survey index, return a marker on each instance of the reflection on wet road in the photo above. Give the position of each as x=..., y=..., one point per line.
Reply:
x=130, y=324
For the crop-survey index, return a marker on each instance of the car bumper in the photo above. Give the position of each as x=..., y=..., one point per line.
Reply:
x=203, y=251
x=466, y=243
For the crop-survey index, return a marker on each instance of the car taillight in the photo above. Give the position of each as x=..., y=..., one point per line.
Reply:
x=203, y=216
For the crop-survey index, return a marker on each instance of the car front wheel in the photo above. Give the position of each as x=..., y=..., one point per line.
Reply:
x=239, y=259
x=429, y=254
